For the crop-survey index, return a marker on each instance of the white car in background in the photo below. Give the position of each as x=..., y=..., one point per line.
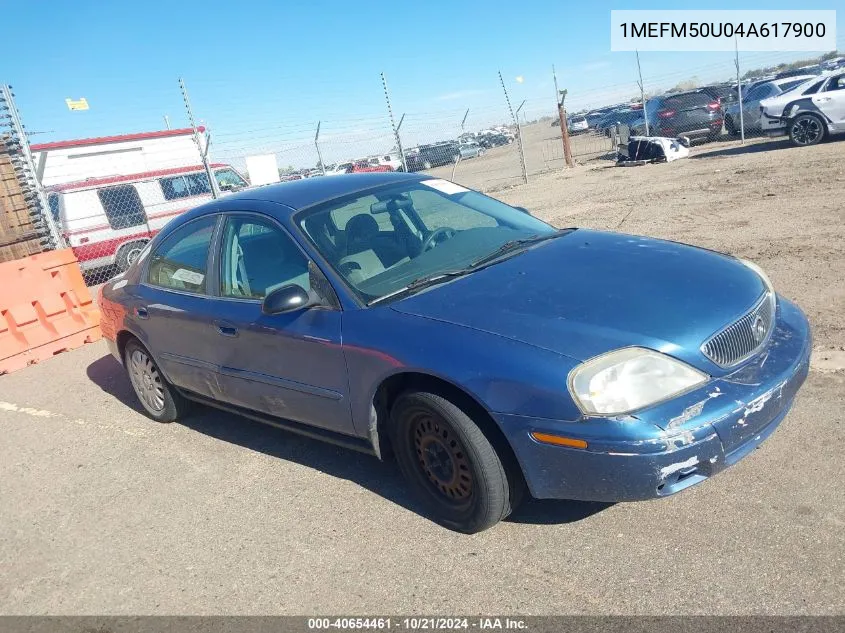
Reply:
x=807, y=113
x=338, y=169
x=577, y=124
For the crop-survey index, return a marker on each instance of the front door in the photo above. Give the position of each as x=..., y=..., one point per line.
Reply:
x=286, y=365
x=832, y=101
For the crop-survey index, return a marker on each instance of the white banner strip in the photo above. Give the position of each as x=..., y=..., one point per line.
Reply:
x=658, y=30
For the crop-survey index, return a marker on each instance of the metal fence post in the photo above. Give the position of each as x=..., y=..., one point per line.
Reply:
x=739, y=94
x=560, y=95
x=317, y=145
x=19, y=135
x=212, y=181
x=642, y=93
x=518, y=135
x=393, y=123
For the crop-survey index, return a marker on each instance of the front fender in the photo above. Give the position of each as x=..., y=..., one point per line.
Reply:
x=502, y=375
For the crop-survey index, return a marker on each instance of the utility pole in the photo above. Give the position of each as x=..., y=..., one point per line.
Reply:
x=317, y=145
x=393, y=123
x=518, y=132
x=212, y=181
x=26, y=166
x=642, y=93
x=463, y=122
x=560, y=95
x=739, y=94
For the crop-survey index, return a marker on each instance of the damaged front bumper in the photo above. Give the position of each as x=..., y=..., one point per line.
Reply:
x=674, y=445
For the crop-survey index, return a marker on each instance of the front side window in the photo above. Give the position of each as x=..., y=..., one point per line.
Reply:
x=122, y=206
x=177, y=187
x=382, y=240
x=179, y=262
x=836, y=83
x=257, y=258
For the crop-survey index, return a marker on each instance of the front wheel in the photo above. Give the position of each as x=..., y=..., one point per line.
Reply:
x=806, y=129
x=159, y=398
x=450, y=463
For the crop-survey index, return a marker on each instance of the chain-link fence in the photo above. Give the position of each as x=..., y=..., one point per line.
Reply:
x=24, y=223
x=109, y=193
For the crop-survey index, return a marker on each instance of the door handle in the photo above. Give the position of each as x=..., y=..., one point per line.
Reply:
x=142, y=313
x=225, y=329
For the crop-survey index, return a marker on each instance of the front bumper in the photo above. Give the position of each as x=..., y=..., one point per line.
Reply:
x=676, y=444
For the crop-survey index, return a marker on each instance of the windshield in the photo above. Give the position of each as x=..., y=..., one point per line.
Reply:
x=382, y=240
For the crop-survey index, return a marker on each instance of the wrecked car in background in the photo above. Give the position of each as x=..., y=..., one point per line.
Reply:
x=490, y=353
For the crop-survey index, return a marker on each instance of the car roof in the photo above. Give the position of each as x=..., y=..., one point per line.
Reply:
x=300, y=194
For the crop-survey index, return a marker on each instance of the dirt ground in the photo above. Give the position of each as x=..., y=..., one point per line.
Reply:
x=104, y=512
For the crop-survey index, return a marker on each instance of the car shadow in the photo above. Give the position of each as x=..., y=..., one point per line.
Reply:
x=753, y=147
x=381, y=478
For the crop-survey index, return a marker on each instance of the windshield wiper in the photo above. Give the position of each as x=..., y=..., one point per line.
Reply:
x=513, y=246
x=423, y=282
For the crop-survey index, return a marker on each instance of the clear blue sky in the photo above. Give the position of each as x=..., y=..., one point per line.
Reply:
x=262, y=73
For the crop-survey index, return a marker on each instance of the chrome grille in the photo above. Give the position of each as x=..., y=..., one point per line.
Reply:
x=743, y=338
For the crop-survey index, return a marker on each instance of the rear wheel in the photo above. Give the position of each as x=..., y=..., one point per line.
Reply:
x=127, y=254
x=450, y=463
x=159, y=398
x=806, y=129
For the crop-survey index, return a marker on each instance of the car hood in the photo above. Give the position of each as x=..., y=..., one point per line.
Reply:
x=589, y=292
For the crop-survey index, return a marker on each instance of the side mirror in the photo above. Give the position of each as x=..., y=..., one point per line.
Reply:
x=523, y=209
x=286, y=299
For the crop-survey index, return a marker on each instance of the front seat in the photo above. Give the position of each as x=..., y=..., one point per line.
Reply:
x=360, y=261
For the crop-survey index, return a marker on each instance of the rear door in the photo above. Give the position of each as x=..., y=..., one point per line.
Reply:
x=692, y=111
x=174, y=311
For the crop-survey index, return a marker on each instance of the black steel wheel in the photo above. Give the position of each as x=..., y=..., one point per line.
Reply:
x=449, y=462
x=806, y=129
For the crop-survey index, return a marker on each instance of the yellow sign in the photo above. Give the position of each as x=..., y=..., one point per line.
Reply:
x=82, y=104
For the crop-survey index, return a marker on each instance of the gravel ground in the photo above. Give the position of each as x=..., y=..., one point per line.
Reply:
x=105, y=512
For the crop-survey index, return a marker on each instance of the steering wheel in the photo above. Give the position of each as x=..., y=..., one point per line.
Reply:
x=431, y=241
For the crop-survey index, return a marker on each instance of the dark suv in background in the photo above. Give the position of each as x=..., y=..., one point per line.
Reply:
x=696, y=114
x=435, y=155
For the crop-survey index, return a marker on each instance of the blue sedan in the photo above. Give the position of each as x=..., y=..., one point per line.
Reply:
x=490, y=354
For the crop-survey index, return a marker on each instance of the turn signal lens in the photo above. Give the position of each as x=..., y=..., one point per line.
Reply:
x=547, y=438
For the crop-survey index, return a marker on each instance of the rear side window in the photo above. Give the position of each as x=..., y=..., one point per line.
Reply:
x=123, y=206
x=185, y=186
x=179, y=262
x=53, y=202
x=814, y=88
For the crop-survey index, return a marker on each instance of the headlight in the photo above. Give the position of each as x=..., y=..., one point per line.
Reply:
x=629, y=379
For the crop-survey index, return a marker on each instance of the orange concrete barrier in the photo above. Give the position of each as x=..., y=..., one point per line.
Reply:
x=45, y=309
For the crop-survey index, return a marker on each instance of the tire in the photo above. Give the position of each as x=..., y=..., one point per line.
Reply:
x=159, y=398
x=806, y=129
x=449, y=463
x=127, y=254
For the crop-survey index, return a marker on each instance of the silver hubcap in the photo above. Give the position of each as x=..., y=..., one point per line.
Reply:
x=806, y=130
x=146, y=381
